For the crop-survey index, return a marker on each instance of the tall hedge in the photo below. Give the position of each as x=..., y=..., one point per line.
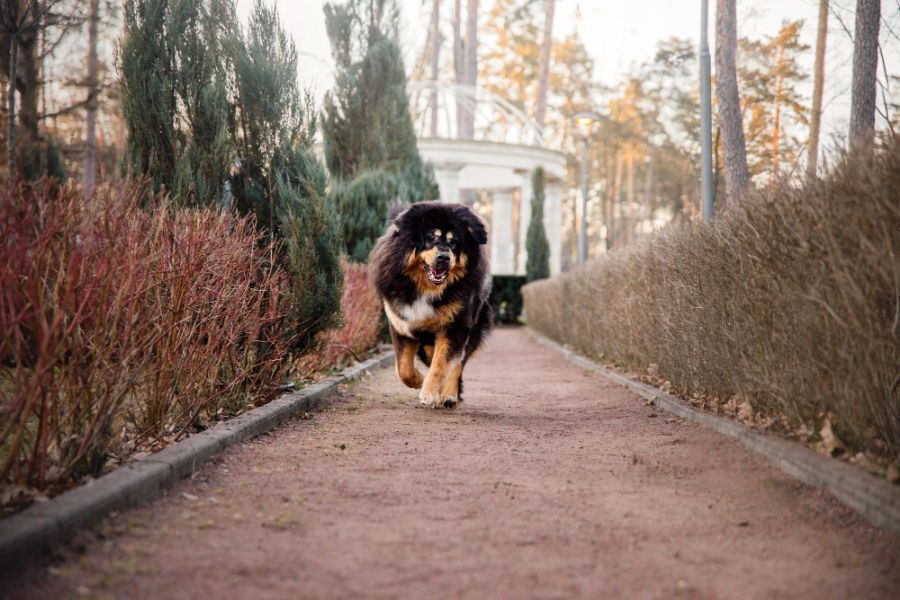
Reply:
x=788, y=300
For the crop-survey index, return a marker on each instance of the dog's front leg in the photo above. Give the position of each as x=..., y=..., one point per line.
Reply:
x=405, y=355
x=438, y=391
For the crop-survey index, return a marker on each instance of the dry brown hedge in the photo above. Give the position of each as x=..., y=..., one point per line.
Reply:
x=789, y=300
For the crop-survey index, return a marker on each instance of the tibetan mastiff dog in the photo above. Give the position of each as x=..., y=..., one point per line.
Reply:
x=431, y=272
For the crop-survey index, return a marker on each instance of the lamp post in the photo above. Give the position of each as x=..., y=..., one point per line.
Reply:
x=584, y=121
x=706, y=182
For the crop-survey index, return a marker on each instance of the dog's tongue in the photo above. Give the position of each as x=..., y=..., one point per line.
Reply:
x=437, y=275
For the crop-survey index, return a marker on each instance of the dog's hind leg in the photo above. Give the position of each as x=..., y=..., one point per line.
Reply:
x=426, y=352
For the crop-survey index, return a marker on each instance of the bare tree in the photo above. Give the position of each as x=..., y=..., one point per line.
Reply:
x=90, y=126
x=815, y=121
x=729, y=102
x=21, y=22
x=544, y=76
x=865, y=72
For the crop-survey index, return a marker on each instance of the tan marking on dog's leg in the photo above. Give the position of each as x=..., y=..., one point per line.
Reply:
x=450, y=389
x=430, y=395
x=405, y=354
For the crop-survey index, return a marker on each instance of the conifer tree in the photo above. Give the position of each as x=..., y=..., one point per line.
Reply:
x=538, y=264
x=202, y=99
x=174, y=95
x=366, y=122
x=370, y=141
x=363, y=205
x=280, y=180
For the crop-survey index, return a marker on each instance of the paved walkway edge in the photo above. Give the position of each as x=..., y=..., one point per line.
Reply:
x=28, y=535
x=877, y=500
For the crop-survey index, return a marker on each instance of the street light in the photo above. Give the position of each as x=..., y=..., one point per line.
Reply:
x=706, y=181
x=584, y=122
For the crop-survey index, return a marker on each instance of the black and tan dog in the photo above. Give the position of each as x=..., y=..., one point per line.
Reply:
x=432, y=274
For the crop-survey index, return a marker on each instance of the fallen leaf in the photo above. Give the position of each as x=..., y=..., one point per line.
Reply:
x=830, y=444
x=892, y=474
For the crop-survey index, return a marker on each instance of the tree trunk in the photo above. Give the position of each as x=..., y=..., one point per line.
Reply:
x=470, y=66
x=544, y=76
x=815, y=122
x=776, y=126
x=90, y=127
x=11, y=114
x=627, y=222
x=615, y=200
x=458, y=66
x=729, y=102
x=865, y=66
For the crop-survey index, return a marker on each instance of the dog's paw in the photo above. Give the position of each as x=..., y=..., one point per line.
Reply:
x=438, y=400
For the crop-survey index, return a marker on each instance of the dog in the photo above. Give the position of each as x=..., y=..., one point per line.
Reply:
x=432, y=274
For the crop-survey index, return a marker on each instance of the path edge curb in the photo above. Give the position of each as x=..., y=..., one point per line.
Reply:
x=876, y=500
x=30, y=534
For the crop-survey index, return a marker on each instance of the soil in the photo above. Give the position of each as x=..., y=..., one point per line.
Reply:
x=547, y=482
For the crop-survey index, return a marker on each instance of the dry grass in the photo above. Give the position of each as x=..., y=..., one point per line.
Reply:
x=789, y=300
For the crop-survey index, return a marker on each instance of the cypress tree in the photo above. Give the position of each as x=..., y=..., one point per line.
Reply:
x=538, y=264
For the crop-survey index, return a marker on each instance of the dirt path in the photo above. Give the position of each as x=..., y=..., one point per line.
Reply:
x=547, y=482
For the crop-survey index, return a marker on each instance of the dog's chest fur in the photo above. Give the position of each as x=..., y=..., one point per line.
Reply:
x=406, y=317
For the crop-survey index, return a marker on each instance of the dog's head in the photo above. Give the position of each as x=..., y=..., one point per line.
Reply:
x=439, y=239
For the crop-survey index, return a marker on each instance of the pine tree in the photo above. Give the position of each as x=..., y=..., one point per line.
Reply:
x=538, y=264
x=770, y=74
x=275, y=119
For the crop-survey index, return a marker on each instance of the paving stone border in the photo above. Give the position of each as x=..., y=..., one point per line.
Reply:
x=28, y=535
x=877, y=500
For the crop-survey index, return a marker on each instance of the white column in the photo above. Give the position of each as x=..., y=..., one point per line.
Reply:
x=553, y=224
x=447, y=177
x=501, y=237
x=524, y=219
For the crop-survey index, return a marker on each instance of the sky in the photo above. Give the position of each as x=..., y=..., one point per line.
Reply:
x=621, y=34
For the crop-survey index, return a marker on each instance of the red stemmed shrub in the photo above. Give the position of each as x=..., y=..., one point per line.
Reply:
x=123, y=325
x=361, y=312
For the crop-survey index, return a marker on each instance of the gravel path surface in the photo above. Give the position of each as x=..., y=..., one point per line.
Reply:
x=547, y=482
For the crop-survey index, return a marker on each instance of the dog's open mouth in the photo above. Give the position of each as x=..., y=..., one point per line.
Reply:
x=436, y=275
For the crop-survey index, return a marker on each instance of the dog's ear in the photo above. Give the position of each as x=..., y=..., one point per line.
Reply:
x=408, y=223
x=473, y=224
